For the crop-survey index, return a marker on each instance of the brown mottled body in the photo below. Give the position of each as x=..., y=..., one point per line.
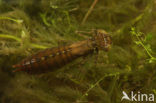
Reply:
x=51, y=59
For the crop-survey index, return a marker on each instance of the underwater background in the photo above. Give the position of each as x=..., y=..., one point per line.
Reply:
x=29, y=26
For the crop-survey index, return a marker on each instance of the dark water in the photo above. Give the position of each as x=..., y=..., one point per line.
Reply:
x=29, y=26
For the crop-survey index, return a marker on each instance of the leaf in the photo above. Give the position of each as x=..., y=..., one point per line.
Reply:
x=133, y=31
x=137, y=42
x=44, y=18
x=86, y=94
x=148, y=47
x=139, y=33
x=152, y=60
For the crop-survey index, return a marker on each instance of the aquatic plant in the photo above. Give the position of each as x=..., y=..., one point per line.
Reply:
x=28, y=26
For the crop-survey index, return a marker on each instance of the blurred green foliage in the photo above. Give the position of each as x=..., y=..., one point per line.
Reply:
x=27, y=26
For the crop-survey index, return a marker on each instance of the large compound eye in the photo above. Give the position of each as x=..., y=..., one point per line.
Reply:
x=106, y=42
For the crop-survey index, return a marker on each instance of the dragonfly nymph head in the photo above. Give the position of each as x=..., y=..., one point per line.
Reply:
x=102, y=40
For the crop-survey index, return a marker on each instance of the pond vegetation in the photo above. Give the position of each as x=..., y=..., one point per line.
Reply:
x=29, y=26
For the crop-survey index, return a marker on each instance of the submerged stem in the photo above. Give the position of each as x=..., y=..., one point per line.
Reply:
x=6, y=36
x=89, y=11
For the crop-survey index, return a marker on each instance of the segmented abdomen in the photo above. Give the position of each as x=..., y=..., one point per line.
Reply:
x=51, y=59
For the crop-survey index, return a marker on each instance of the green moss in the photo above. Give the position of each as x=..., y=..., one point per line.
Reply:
x=27, y=26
